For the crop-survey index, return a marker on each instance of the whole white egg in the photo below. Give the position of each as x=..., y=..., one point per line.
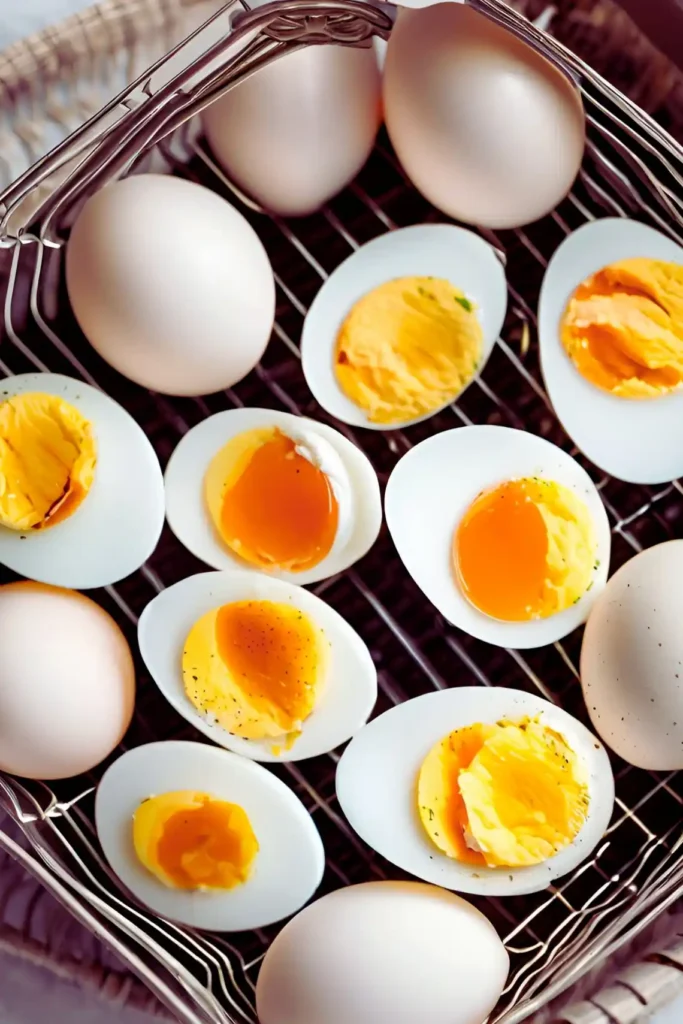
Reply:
x=349, y=688
x=382, y=952
x=297, y=131
x=632, y=660
x=170, y=284
x=67, y=682
x=290, y=860
x=486, y=128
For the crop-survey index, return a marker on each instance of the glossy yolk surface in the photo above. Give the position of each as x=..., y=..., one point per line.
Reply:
x=191, y=840
x=623, y=328
x=270, y=504
x=255, y=667
x=510, y=794
x=525, y=550
x=47, y=461
x=407, y=348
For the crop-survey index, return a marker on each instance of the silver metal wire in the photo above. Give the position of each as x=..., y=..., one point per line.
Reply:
x=631, y=167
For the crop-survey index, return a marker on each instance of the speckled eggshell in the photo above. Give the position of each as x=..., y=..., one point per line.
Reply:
x=632, y=660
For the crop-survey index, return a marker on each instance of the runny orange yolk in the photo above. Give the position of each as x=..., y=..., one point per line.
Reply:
x=500, y=552
x=191, y=840
x=272, y=506
x=255, y=667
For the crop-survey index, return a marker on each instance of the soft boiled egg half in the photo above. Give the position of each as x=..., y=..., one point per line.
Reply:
x=481, y=790
x=272, y=492
x=81, y=490
x=259, y=666
x=504, y=532
x=614, y=292
x=404, y=325
x=207, y=838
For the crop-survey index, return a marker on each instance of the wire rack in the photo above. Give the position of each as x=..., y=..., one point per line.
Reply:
x=631, y=168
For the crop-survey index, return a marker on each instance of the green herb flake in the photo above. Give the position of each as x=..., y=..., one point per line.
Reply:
x=465, y=303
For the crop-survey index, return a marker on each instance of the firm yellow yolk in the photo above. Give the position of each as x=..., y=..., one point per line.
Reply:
x=525, y=550
x=270, y=505
x=504, y=795
x=407, y=348
x=47, y=461
x=623, y=328
x=255, y=667
x=191, y=840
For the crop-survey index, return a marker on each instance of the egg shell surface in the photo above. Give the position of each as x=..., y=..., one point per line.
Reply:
x=350, y=688
x=189, y=518
x=425, y=250
x=632, y=660
x=66, y=700
x=430, y=490
x=378, y=771
x=636, y=440
x=487, y=128
x=181, y=304
x=413, y=952
x=288, y=867
x=117, y=526
x=313, y=114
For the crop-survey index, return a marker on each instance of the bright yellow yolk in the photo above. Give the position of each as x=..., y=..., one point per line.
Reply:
x=255, y=667
x=407, y=348
x=47, y=461
x=191, y=840
x=504, y=795
x=271, y=505
x=623, y=328
x=525, y=550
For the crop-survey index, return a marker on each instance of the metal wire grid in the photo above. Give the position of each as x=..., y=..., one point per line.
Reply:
x=551, y=936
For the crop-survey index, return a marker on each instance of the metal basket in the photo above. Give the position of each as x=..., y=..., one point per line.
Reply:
x=632, y=167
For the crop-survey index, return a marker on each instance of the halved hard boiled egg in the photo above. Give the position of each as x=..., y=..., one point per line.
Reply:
x=271, y=492
x=81, y=491
x=259, y=666
x=207, y=838
x=504, y=532
x=482, y=790
x=404, y=325
x=615, y=382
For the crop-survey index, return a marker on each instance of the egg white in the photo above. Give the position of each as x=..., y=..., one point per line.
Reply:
x=636, y=440
x=287, y=869
x=117, y=526
x=350, y=689
x=352, y=476
x=432, y=487
x=378, y=771
x=425, y=250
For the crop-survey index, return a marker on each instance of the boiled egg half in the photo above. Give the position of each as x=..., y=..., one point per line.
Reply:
x=261, y=667
x=482, y=790
x=206, y=838
x=404, y=325
x=81, y=490
x=637, y=439
x=267, y=491
x=504, y=533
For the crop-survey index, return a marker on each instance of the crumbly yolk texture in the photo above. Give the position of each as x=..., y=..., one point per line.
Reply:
x=257, y=668
x=504, y=795
x=623, y=328
x=190, y=840
x=525, y=550
x=270, y=505
x=407, y=348
x=47, y=461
